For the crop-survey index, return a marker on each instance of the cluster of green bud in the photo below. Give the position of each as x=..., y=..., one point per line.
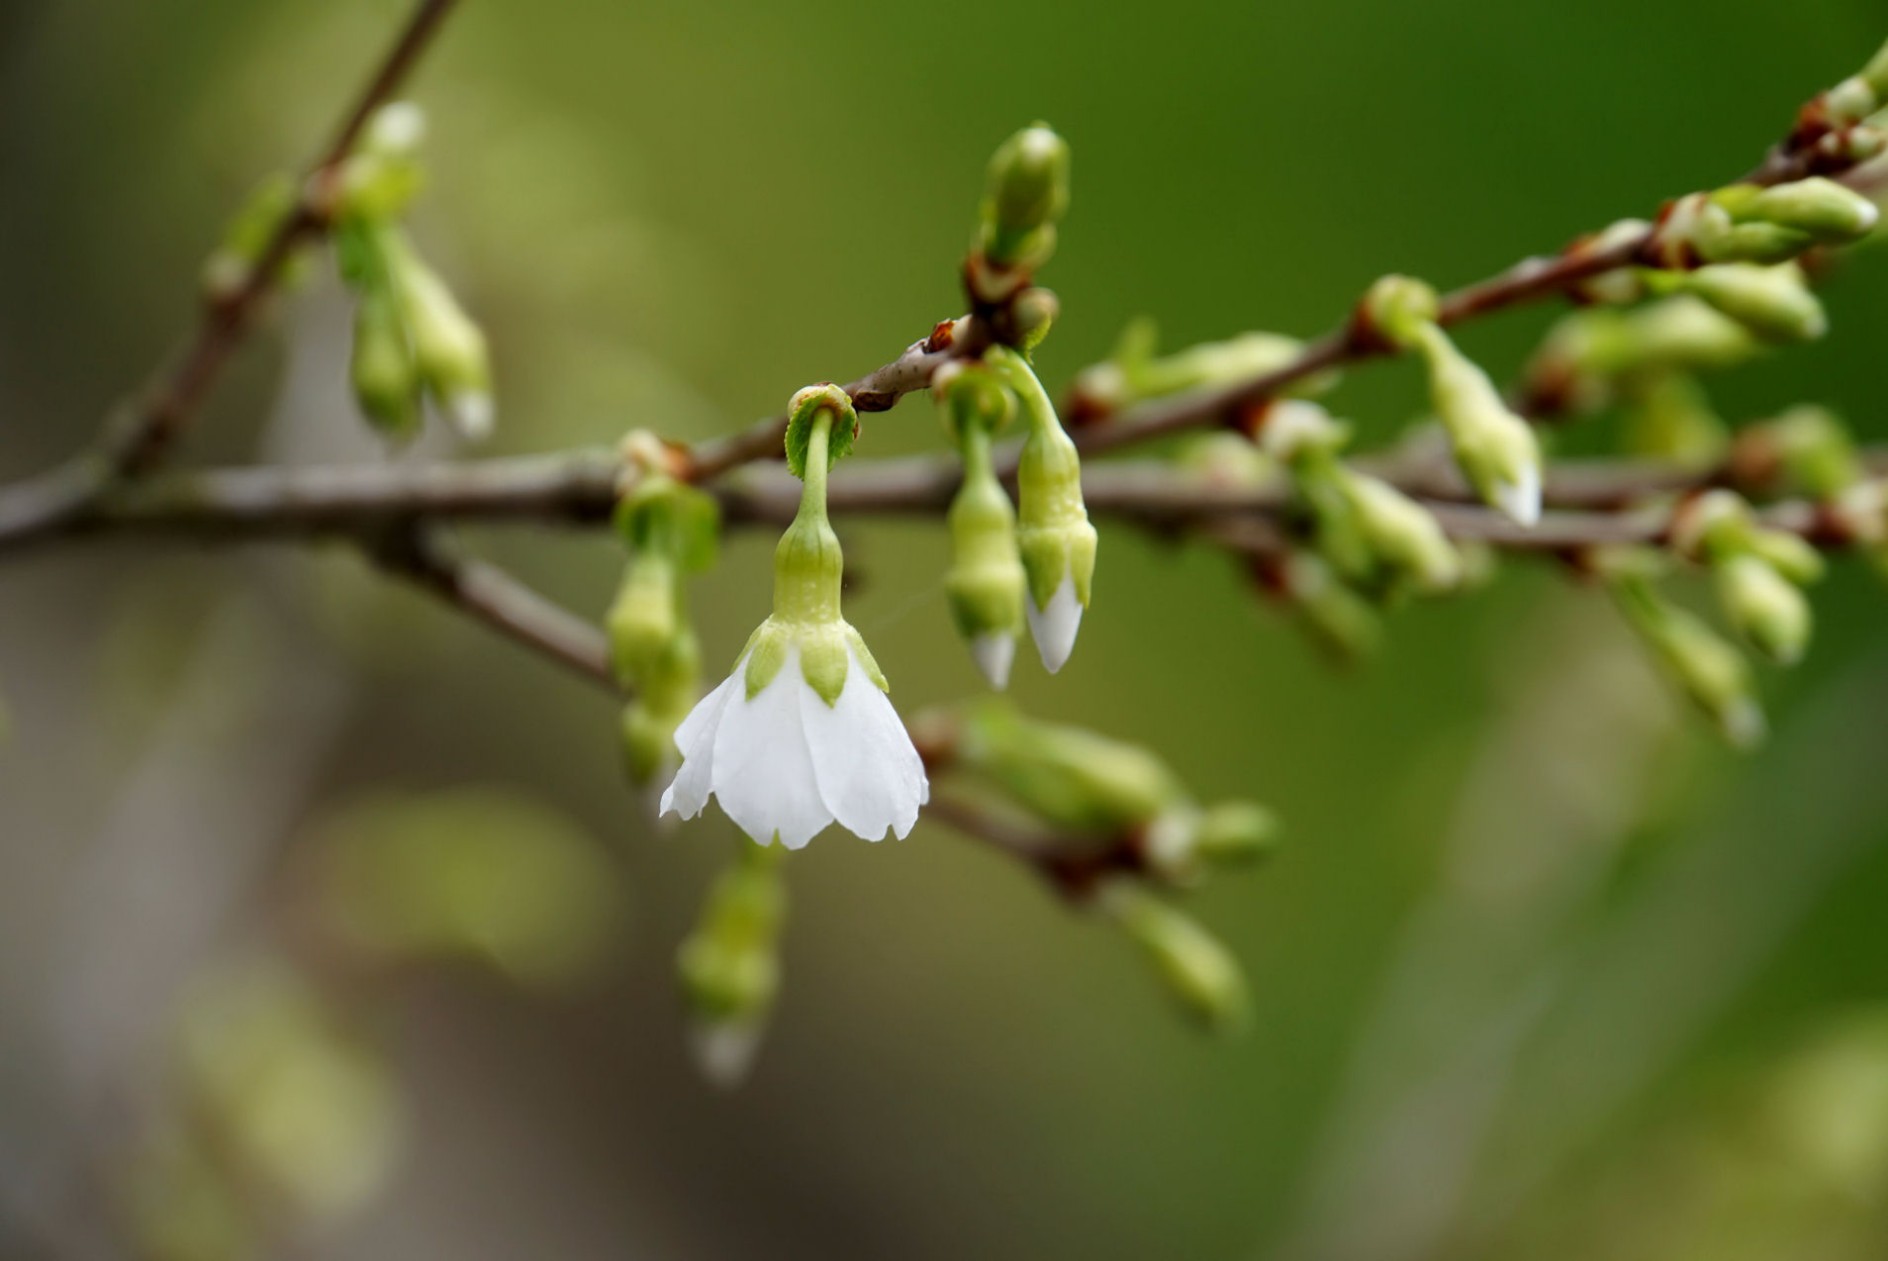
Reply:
x=986, y=582
x=1055, y=537
x=1759, y=573
x=1707, y=668
x=1372, y=533
x=1593, y=355
x=1772, y=303
x=1135, y=372
x=1814, y=453
x=729, y=966
x=1195, y=966
x=1026, y=195
x=1495, y=449
x=413, y=342
x=671, y=530
x=1745, y=223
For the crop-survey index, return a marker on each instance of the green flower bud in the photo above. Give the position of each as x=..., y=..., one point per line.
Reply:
x=729, y=966
x=1069, y=777
x=1032, y=315
x=1815, y=449
x=382, y=177
x=1495, y=449
x=1710, y=671
x=1027, y=194
x=1773, y=303
x=254, y=225
x=1404, y=535
x=383, y=371
x=1196, y=967
x=1053, y=531
x=1670, y=418
x=1183, y=842
x=1764, y=607
x=645, y=616
x=1397, y=309
x=1820, y=208
x=449, y=348
x=986, y=582
x=1342, y=622
x=1859, y=95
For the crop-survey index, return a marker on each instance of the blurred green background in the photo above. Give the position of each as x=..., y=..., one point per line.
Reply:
x=1542, y=972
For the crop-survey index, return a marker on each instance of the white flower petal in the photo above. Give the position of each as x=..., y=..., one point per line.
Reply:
x=1054, y=628
x=994, y=653
x=1520, y=500
x=473, y=414
x=694, y=779
x=725, y=1050
x=870, y=775
x=763, y=773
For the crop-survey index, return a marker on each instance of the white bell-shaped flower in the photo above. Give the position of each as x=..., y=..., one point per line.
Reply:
x=801, y=734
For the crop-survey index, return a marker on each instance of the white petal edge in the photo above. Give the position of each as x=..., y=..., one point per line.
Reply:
x=763, y=771
x=1520, y=500
x=474, y=415
x=994, y=653
x=870, y=775
x=725, y=1051
x=695, y=739
x=1054, y=628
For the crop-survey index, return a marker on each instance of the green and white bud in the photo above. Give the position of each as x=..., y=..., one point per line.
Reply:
x=1026, y=195
x=1135, y=373
x=646, y=615
x=1764, y=607
x=1859, y=95
x=449, y=348
x=1823, y=210
x=1053, y=531
x=1495, y=449
x=1773, y=303
x=986, y=583
x=1815, y=450
x=1710, y=671
x=1197, y=968
x=383, y=176
x=250, y=230
x=1404, y=535
x=1182, y=843
x=729, y=966
x=1069, y=777
x=1669, y=417
x=1341, y=621
x=383, y=371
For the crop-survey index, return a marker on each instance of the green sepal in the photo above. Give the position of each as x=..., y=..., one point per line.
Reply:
x=382, y=369
x=766, y=653
x=867, y=662
x=806, y=405
x=823, y=660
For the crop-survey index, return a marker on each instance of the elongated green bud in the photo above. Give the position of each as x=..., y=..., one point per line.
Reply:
x=1709, y=670
x=1773, y=303
x=1027, y=194
x=1069, y=777
x=730, y=965
x=1341, y=622
x=1184, y=842
x=383, y=371
x=646, y=615
x=1764, y=607
x=1495, y=449
x=1197, y=968
x=1404, y=535
x=383, y=176
x=1053, y=531
x=1669, y=417
x=449, y=348
x=1814, y=448
x=255, y=223
x=1134, y=373
x=1824, y=211
x=986, y=583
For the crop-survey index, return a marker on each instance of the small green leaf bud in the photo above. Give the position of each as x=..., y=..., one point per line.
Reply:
x=383, y=370
x=1026, y=195
x=1032, y=315
x=645, y=615
x=1134, y=373
x=1773, y=303
x=1053, y=531
x=1196, y=966
x=1069, y=777
x=1495, y=449
x=1764, y=607
x=1814, y=448
x=382, y=177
